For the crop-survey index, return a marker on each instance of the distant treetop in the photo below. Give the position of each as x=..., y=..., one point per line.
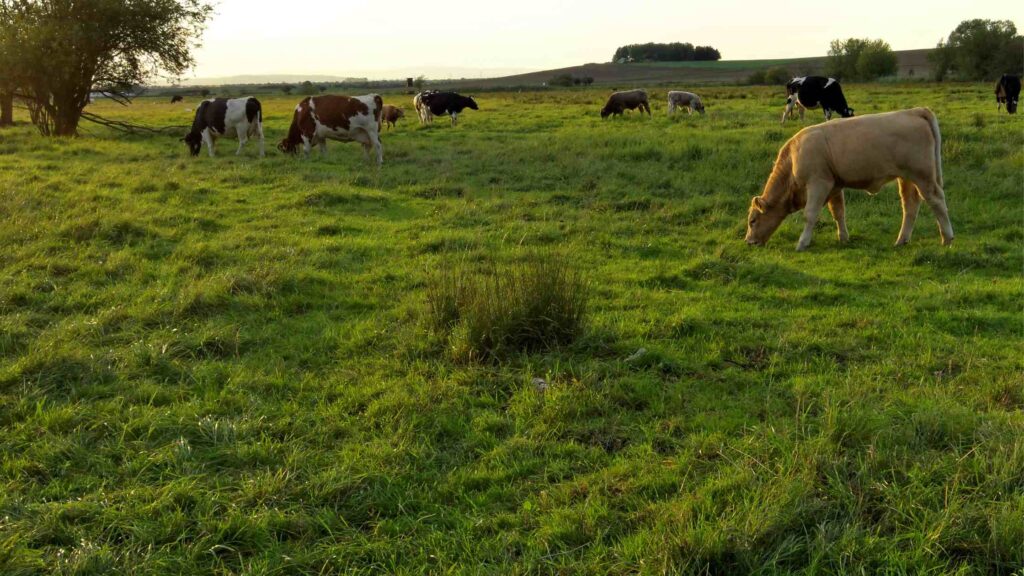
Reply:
x=671, y=52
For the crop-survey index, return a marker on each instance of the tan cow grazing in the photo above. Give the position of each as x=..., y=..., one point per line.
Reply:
x=866, y=153
x=619, y=102
x=688, y=100
x=391, y=114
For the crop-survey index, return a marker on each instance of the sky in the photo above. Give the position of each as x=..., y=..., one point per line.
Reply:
x=399, y=38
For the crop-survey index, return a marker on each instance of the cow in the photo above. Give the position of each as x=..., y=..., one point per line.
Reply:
x=1008, y=92
x=813, y=91
x=176, y=98
x=688, y=100
x=390, y=114
x=450, y=103
x=619, y=102
x=318, y=119
x=241, y=117
x=421, y=109
x=816, y=164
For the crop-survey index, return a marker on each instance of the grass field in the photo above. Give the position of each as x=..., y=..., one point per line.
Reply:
x=225, y=366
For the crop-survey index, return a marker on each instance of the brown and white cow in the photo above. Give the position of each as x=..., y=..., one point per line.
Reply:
x=867, y=152
x=318, y=119
x=619, y=102
x=391, y=114
x=689, y=100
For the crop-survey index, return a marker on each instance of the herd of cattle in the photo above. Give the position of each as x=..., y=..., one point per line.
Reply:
x=812, y=169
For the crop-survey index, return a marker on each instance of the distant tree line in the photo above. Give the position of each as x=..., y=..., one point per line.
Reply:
x=979, y=50
x=671, y=52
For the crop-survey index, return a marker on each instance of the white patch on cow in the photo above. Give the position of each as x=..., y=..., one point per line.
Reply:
x=830, y=82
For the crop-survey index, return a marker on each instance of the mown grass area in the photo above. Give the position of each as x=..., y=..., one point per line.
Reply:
x=228, y=366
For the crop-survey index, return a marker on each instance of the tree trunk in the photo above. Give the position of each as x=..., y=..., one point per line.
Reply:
x=6, y=109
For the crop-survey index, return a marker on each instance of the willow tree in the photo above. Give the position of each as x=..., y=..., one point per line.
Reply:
x=64, y=50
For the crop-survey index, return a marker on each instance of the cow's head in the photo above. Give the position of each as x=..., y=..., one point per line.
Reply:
x=471, y=104
x=194, y=142
x=288, y=146
x=763, y=220
x=848, y=113
x=699, y=106
x=1011, y=105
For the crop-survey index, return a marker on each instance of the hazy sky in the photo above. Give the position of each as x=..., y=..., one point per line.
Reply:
x=396, y=38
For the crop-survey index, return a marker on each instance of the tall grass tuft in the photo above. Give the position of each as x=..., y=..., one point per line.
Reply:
x=533, y=305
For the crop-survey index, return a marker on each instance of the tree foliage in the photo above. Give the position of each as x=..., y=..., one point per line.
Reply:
x=67, y=49
x=980, y=50
x=672, y=52
x=860, y=59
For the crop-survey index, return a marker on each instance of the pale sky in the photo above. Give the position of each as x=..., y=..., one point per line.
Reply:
x=397, y=38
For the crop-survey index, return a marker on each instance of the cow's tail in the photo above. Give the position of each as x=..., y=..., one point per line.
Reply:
x=937, y=136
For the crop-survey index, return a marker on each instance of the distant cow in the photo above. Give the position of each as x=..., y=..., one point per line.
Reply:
x=242, y=117
x=619, y=102
x=176, y=98
x=813, y=91
x=449, y=103
x=688, y=100
x=816, y=164
x=390, y=114
x=318, y=119
x=1008, y=92
x=421, y=109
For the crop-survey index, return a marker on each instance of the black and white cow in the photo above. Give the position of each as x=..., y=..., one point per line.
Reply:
x=241, y=117
x=1008, y=92
x=448, y=103
x=813, y=91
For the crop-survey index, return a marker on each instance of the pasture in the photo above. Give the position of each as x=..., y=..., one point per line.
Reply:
x=225, y=366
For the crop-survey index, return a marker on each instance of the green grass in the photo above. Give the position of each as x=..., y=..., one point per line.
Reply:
x=227, y=366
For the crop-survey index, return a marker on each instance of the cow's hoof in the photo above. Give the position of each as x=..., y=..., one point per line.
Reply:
x=901, y=242
x=947, y=242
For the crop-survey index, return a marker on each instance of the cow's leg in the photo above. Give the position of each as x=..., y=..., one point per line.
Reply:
x=936, y=199
x=837, y=206
x=323, y=147
x=671, y=108
x=455, y=118
x=209, y=142
x=817, y=194
x=307, y=146
x=910, y=199
x=788, y=112
x=243, y=137
x=259, y=134
x=375, y=139
x=647, y=107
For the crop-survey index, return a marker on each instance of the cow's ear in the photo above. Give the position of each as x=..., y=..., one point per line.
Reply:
x=758, y=204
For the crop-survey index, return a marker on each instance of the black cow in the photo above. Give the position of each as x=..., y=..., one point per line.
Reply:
x=242, y=117
x=1008, y=92
x=176, y=98
x=814, y=91
x=448, y=103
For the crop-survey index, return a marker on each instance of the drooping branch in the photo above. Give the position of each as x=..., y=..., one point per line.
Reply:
x=131, y=127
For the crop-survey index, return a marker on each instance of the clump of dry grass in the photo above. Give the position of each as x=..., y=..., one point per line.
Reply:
x=532, y=305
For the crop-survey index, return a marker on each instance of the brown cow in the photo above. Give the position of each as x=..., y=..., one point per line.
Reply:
x=318, y=119
x=390, y=114
x=619, y=102
x=867, y=152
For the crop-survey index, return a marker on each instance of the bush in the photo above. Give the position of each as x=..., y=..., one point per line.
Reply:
x=756, y=77
x=561, y=80
x=860, y=59
x=777, y=76
x=531, y=306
